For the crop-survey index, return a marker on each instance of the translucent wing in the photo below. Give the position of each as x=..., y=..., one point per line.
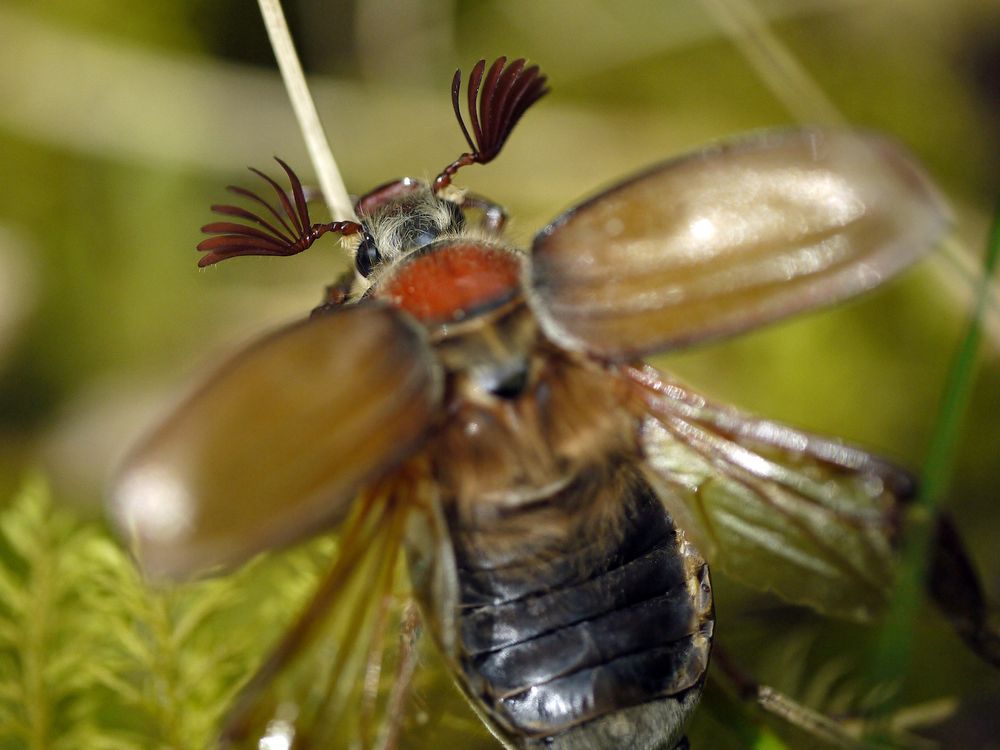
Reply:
x=804, y=516
x=276, y=443
x=732, y=237
x=334, y=675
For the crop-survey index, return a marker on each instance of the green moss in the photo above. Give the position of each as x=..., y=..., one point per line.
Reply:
x=91, y=656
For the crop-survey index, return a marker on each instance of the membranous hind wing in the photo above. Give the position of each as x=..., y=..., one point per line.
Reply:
x=278, y=442
x=340, y=674
x=807, y=517
x=731, y=237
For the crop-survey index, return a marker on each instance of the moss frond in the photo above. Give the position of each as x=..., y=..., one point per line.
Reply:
x=46, y=562
x=93, y=657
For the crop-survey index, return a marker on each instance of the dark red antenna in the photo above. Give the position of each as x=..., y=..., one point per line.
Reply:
x=507, y=92
x=294, y=233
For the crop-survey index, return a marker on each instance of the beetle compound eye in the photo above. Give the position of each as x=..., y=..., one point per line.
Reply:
x=421, y=233
x=367, y=256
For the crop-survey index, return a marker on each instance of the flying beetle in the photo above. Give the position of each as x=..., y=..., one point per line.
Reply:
x=486, y=410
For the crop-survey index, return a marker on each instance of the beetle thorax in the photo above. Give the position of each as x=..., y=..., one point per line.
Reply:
x=522, y=419
x=408, y=223
x=451, y=281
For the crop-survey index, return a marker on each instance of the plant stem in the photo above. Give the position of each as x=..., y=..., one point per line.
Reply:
x=897, y=635
x=331, y=183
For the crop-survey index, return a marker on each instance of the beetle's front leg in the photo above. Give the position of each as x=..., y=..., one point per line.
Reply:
x=336, y=294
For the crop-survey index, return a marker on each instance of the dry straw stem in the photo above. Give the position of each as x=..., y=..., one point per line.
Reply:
x=334, y=190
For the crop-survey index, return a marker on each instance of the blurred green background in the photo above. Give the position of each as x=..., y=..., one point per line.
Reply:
x=121, y=122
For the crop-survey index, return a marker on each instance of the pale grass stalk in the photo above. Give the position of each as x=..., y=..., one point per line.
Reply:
x=334, y=191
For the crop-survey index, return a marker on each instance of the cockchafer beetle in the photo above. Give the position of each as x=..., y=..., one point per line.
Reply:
x=487, y=409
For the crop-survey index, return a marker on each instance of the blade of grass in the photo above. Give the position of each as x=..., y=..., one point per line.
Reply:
x=334, y=191
x=896, y=640
x=773, y=62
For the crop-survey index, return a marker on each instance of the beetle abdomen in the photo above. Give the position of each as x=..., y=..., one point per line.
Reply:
x=585, y=641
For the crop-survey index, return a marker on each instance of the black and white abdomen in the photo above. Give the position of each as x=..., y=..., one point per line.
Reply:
x=584, y=618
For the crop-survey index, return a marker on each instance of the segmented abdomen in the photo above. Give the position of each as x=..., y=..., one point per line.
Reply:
x=589, y=637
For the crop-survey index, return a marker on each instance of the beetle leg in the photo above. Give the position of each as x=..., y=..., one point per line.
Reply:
x=409, y=636
x=954, y=585
x=373, y=668
x=783, y=707
x=494, y=215
x=847, y=733
x=336, y=294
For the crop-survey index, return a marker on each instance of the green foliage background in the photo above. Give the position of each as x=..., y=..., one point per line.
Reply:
x=121, y=122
